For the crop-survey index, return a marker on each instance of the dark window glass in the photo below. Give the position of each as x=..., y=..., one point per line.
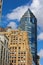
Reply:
x=12, y=61
x=19, y=47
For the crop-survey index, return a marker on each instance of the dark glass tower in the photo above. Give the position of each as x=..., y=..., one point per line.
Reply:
x=28, y=23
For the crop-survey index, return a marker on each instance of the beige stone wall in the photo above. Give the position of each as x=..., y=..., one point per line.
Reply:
x=19, y=47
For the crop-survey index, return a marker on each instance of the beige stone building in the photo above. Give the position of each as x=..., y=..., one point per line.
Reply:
x=4, y=51
x=20, y=53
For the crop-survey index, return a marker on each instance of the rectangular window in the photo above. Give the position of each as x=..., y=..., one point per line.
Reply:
x=1, y=52
x=12, y=61
x=19, y=48
x=5, y=42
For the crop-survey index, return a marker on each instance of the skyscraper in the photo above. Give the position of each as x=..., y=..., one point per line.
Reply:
x=28, y=23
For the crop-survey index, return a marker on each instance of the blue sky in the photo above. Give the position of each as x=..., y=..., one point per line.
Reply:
x=12, y=11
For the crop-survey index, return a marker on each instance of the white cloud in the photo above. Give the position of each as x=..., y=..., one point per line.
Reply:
x=37, y=9
x=13, y=25
x=35, y=4
x=17, y=13
x=41, y=53
x=40, y=36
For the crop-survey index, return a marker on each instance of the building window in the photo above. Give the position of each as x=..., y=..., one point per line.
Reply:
x=11, y=43
x=19, y=47
x=15, y=47
x=6, y=56
x=1, y=52
x=16, y=38
x=19, y=60
x=32, y=20
x=18, y=52
x=18, y=64
x=5, y=42
x=4, y=52
x=12, y=61
x=21, y=53
x=19, y=43
x=20, y=39
x=15, y=57
x=18, y=57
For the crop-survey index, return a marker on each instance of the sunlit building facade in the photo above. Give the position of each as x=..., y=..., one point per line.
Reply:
x=18, y=45
x=28, y=23
x=19, y=48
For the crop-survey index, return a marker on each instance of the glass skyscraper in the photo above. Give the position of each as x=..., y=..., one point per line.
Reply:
x=28, y=23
